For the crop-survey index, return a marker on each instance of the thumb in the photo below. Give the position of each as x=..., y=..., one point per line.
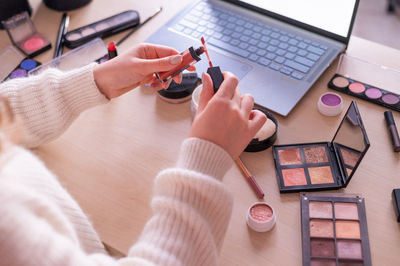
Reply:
x=162, y=64
x=207, y=92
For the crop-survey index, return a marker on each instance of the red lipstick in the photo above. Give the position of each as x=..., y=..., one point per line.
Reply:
x=112, y=50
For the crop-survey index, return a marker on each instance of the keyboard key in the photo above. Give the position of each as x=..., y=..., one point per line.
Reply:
x=222, y=23
x=236, y=35
x=218, y=28
x=235, y=42
x=315, y=44
x=210, y=25
x=206, y=17
x=252, y=49
x=304, y=61
x=230, y=26
x=297, y=75
x=239, y=29
x=286, y=70
x=265, y=32
x=289, y=55
x=292, y=49
x=247, y=32
x=253, y=42
x=230, y=48
x=202, y=22
x=243, y=45
x=307, y=41
x=196, y=34
x=264, y=61
x=313, y=57
x=256, y=35
x=261, y=52
x=240, y=22
x=226, y=38
x=192, y=18
x=232, y=19
x=270, y=56
x=188, y=31
x=275, y=35
x=279, y=59
x=291, y=35
x=284, y=38
x=245, y=38
x=257, y=29
x=253, y=57
x=283, y=45
x=248, y=25
x=196, y=13
x=227, y=32
x=265, y=39
x=323, y=47
x=209, y=32
x=188, y=24
x=274, y=42
x=296, y=66
x=280, y=52
x=299, y=38
x=217, y=35
x=274, y=66
x=302, y=45
x=179, y=27
x=293, y=42
x=271, y=48
x=302, y=52
x=315, y=50
x=262, y=45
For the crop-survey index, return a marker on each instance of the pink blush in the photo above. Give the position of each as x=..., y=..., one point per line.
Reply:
x=261, y=212
x=33, y=44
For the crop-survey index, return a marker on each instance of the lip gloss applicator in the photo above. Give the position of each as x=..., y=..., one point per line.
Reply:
x=213, y=71
x=189, y=58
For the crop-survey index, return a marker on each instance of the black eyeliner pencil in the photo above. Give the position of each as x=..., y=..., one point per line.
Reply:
x=138, y=26
x=62, y=30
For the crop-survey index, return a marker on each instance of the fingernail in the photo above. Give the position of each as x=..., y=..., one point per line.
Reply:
x=176, y=59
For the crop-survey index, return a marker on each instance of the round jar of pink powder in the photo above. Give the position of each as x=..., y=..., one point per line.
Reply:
x=261, y=217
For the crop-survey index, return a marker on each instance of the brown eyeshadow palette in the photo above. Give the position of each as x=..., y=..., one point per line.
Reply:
x=334, y=230
x=323, y=165
x=366, y=92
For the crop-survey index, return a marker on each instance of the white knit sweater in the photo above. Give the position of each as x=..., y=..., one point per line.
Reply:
x=41, y=224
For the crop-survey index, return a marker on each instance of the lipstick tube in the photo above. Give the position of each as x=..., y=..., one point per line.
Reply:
x=189, y=57
x=393, y=130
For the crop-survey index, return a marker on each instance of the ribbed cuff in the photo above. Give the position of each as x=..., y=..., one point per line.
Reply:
x=205, y=157
x=80, y=89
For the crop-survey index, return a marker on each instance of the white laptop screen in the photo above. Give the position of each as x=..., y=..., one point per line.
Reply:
x=330, y=15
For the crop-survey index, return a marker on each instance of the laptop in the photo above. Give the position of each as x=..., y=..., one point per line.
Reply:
x=276, y=48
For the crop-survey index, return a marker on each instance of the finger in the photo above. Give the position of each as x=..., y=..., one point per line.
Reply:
x=246, y=104
x=178, y=78
x=237, y=97
x=206, y=93
x=228, y=86
x=191, y=68
x=160, y=64
x=257, y=120
x=153, y=51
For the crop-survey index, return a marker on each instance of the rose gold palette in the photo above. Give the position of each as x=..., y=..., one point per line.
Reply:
x=334, y=230
x=323, y=165
x=23, y=34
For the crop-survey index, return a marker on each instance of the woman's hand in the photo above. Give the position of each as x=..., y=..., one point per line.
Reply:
x=226, y=118
x=136, y=67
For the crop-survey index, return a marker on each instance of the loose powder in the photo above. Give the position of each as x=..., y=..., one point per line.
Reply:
x=266, y=131
x=261, y=212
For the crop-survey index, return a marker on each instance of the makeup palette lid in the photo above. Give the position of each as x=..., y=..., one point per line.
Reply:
x=10, y=59
x=350, y=143
x=377, y=75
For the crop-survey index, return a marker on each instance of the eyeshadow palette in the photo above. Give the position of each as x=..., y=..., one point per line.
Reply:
x=23, y=68
x=23, y=34
x=366, y=92
x=102, y=28
x=334, y=230
x=323, y=165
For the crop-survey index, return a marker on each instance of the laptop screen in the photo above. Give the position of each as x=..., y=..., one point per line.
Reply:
x=334, y=16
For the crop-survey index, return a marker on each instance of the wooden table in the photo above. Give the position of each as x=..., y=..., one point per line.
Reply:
x=110, y=155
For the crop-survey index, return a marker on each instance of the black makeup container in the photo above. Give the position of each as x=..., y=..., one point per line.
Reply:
x=260, y=143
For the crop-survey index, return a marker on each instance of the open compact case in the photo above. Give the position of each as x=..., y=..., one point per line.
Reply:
x=323, y=165
x=371, y=82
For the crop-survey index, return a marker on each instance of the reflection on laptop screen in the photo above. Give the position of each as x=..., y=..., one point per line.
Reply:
x=330, y=15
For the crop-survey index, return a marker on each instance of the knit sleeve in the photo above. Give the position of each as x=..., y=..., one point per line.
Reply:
x=48, y=103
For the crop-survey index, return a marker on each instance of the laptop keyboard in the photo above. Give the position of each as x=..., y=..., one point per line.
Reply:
x=268, y=46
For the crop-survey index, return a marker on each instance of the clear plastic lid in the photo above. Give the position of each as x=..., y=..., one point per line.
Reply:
x=79, y=57
x=10, y=58
x=373, y=74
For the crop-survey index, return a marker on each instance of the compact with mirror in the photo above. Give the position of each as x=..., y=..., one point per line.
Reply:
x=323, y=165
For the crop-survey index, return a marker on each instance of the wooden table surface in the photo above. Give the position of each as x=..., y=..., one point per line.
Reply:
x=110, y=155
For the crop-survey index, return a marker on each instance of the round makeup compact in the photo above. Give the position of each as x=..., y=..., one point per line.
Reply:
x=261, y=217
x=266, y=136
x=179, y=93
x=330, y=104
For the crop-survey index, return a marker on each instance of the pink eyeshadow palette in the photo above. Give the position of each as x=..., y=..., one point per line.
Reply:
x=103, y=28
x=366, y=92
x=334, y=230
x=323, y=165
x=23, y=34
